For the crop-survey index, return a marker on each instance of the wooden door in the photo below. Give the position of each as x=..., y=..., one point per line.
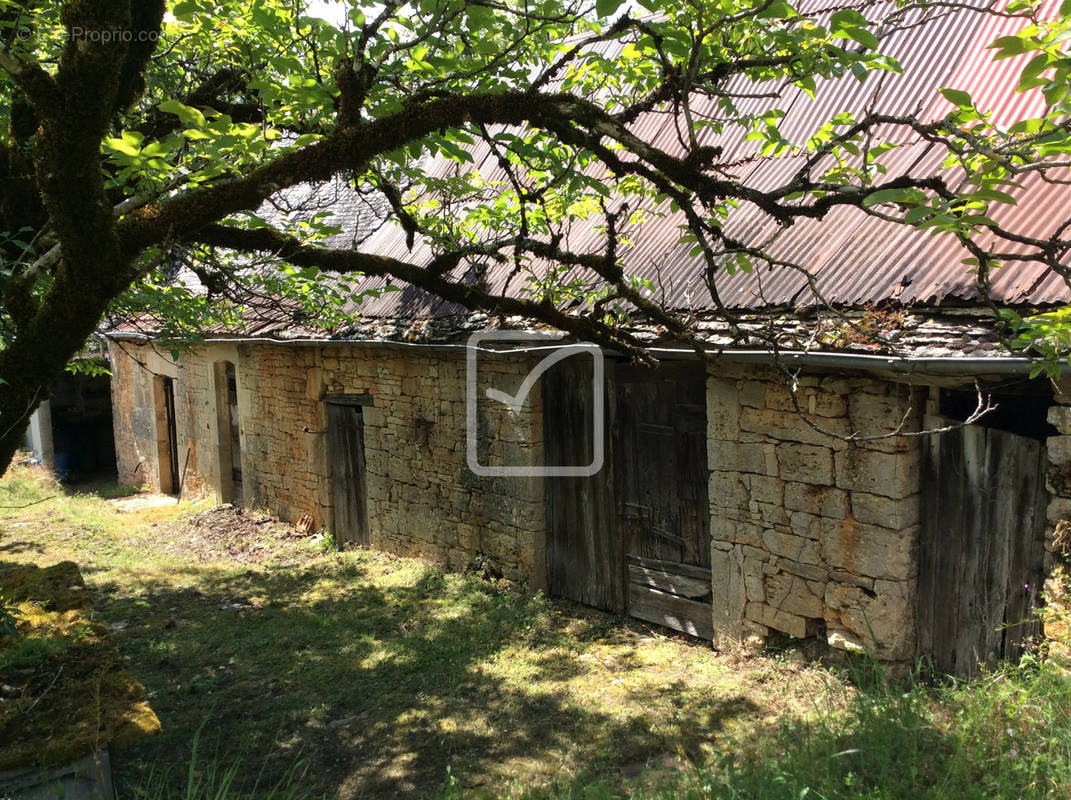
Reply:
x=660, y=491
x=345, y=445
x=981, y=546
x=584, y=556
x=234, y=437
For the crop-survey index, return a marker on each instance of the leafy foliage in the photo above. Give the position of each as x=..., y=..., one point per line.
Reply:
x=163, y=159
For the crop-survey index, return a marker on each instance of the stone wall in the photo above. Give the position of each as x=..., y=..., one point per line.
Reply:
x=422, y=498
x=812, y=535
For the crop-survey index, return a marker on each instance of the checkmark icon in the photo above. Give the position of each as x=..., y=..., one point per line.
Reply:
x=516, y=401
x=523, y=345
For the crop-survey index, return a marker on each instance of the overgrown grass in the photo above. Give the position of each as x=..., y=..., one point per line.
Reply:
x=361, y=675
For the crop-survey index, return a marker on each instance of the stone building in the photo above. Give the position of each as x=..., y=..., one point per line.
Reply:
x=800, y=493
x=721, y=508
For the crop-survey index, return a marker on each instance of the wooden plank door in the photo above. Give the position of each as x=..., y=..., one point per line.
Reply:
x=345, y=446
x=234, y=436
x=660, y=489
x=981, y=546
x=584, y=557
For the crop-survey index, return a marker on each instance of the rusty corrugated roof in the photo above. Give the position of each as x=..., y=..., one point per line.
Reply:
x=856, y=259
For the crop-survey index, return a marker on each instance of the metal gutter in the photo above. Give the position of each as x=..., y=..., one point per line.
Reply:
x=903, y=365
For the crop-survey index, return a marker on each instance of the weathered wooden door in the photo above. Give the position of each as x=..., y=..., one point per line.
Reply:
x=635, y=537
x=981, y=546
x=234, y=436
x=584, y=555
x=660, y=492
x=345, y=446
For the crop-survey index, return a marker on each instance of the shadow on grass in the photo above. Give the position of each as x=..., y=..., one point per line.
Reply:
x=384, y=690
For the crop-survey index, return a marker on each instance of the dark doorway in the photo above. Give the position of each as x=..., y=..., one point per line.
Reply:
x=80, y=413
x=345, y=448
x=981, y=546
x=635, y=537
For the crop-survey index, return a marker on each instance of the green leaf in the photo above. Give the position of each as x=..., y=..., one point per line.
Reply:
x=1008, y=46
x=605, y=8
x=884, y=196
x=188, y=114
x=957, y=97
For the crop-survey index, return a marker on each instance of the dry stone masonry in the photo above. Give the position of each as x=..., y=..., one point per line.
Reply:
x=811, y=534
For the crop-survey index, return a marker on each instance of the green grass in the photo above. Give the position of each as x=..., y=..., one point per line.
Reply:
x=361, y=675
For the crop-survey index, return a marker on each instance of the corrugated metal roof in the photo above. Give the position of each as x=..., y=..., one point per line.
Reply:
x=855, y=259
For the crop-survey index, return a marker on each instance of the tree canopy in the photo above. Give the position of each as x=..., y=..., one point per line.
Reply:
x=144, y=135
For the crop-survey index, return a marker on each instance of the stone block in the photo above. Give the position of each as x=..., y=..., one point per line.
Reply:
x=788, y=426
x=723, y=410
x=778, y=620
x=805, y=463
x=787, y=592
x=764, y=489
x=739, y=457
x=810, y=572
x=728, y=489
x=729, y=594
x=794, y=548
x=1059, y=450
x=825, y=501
x=812, y=401
x=881, y=621
x=870, y=550
x=1060, y=418
x=874, y=509
x=894, y=475
x=807, y=525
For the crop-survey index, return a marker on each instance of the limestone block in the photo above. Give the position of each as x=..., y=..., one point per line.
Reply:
x=825, y=501
x=729, y=594
x=794, y=548
x=1059, y=508
x=723, y=410
x=870, y=550
x=741, y=457
x=1059, y=450
x=754, y=553
x=882, y=621
x=728, y=489
x=765, y=489
x=812, y=401
x=807, y=525
x=851, y=579
x=787, y=592
x=753, y=394
x=875, y=509
x=788, y=426
x=809, y=572
x=894, y=475
x=805, y=463
x=778, y=620
x=1060, y=418
x=753, y=580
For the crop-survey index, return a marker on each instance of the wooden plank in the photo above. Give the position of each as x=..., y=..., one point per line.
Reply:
x=1026, y=555
x=345, y=443
x=585, y=560
x=677, y=568
x=981, y=545
x=674, y=612
x=666, y=581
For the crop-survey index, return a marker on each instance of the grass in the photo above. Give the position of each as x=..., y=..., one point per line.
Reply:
x=362, y=675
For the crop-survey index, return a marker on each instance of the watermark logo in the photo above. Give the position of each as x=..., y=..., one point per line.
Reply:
x=493, y=394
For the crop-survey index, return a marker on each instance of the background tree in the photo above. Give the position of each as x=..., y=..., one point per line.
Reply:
x=143, y=134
